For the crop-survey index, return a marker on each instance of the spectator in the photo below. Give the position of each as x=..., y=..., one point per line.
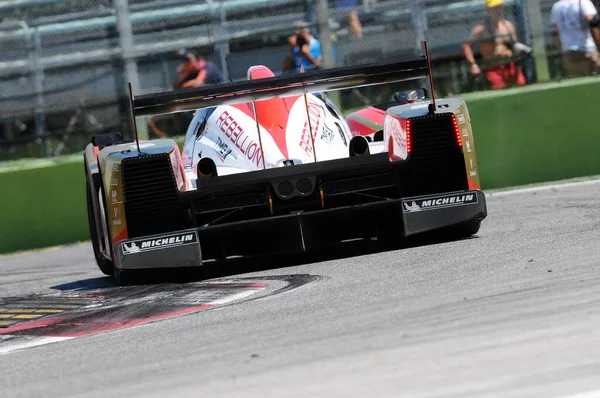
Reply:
x=195, y=71
x=576, y=35
x=305, y=52
x=497, y=38
x=348, y=9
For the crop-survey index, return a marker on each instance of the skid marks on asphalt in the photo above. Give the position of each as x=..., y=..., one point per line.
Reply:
x=35, y=320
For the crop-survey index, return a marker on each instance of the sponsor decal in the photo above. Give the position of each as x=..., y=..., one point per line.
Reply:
x=115, y=167
x=114, y=196
x=222, y=149
x=132, y=248
x=468, y=144
x=471, y=162
x=472, y=173
x=114, y=182
x=392, y=126
x=327, y=134
x=461, y=118
x=116, y=219
x=247, y=146
x=465, y=132
x=314, y=116
x=420, y=106
x=167, y=241
x=187, y=160
x=439, y=202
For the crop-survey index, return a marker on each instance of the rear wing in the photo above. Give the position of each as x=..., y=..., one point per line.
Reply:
x=339, y=78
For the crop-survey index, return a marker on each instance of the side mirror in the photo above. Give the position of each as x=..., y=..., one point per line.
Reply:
x=410, y=96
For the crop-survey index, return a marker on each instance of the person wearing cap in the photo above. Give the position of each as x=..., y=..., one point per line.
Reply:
x=498, y=44
x=196, y=71
x=577, y=35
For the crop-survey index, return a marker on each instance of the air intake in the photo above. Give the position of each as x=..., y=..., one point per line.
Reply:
x=152, y=205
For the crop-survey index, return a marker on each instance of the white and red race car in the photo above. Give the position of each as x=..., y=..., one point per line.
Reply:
x=229, y=134
x=270, y=165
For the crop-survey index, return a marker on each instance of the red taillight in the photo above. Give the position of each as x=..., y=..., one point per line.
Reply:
x=457, y=130
x=408, y=135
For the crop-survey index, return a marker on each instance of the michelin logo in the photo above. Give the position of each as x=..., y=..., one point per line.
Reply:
x=139, y=246
x=443, y=201
x=412, y=207
x=132, y=248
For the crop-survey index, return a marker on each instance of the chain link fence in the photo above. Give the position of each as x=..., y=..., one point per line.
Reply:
x=63, y=68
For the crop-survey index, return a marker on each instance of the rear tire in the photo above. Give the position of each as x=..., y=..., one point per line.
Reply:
x=124, y=277
x=105, y=265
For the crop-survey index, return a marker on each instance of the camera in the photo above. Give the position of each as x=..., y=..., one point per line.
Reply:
x=300, y=40
x=520, y=48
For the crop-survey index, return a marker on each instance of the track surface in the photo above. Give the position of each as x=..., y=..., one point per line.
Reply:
x=513, y=312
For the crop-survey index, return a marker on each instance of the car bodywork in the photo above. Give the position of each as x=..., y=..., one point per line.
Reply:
x=271, y=166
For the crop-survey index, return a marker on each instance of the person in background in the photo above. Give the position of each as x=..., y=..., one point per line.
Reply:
x=348, y=9
x=497, y=40
x=196, y=71
x=305, y=52
x=577, y=35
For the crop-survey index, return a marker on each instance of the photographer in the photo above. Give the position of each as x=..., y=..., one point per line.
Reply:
x=576, y=23
x=195, y=71
x=499, y=46
x=305, y=52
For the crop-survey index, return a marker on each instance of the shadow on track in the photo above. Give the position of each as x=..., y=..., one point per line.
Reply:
x=241, y=265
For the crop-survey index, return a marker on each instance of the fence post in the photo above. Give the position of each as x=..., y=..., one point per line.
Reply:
x=419, y=22
x=128, y=57
x=536, y=27
x=328, y=61
x=221, y=49
x=38, y=75
x=322, y=12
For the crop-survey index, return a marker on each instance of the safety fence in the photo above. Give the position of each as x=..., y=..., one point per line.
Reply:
x=65, y=63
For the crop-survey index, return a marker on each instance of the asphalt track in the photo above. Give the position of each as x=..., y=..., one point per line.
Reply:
x=513, y=312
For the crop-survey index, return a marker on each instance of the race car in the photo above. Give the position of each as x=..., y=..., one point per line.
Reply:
x=270, y=165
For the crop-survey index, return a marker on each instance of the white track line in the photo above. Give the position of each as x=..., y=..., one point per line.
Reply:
x=589, y=394
x=236, y=296
x=543, y=188
x=31, y=343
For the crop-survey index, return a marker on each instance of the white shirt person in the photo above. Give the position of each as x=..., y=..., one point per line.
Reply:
x=573, y=21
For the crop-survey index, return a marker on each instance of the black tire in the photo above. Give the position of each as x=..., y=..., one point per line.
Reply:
x=105, y=265
x=124, y=277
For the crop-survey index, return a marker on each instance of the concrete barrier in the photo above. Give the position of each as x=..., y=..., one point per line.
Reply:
x=525, y=135
x=42, y=204
x=537, y=133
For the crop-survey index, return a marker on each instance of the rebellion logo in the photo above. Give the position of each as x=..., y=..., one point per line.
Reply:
x=411, y=206
x=313, y=122
x=162, y=242
x=240, y=139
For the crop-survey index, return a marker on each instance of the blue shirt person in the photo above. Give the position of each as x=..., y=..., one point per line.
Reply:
x=306, y=51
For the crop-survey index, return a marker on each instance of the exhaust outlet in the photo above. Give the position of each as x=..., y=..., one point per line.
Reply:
x=206, y=168
x=359, y=146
